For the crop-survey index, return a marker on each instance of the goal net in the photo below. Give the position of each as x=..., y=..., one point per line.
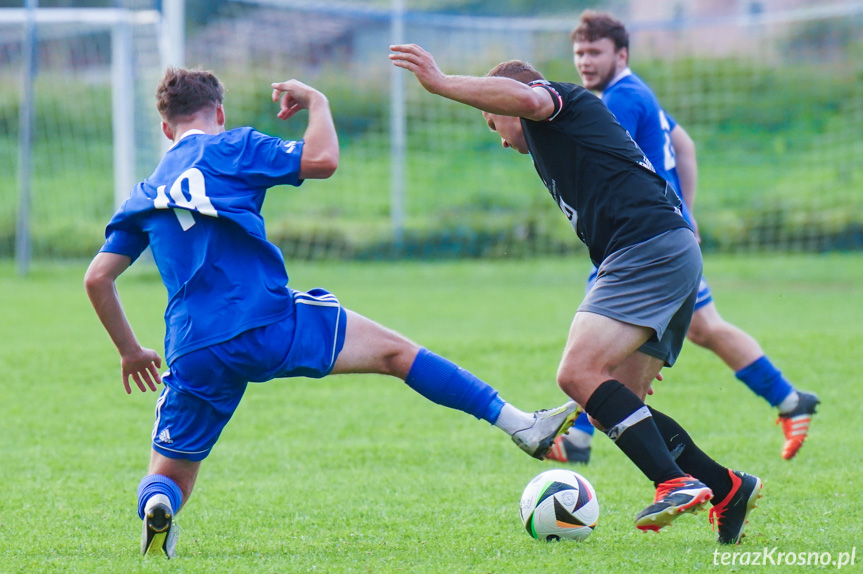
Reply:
x=93, y=130
x=772, y=94
x=773, y=99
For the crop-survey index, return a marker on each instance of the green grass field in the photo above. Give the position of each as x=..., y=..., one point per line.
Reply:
x=360, y=474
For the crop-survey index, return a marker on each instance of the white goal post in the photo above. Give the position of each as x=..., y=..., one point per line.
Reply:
x=119, y=22
x=769, y=91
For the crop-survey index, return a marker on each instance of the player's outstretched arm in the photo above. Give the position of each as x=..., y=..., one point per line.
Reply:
x=321, y=143
x=138, y=363
x=502, y=96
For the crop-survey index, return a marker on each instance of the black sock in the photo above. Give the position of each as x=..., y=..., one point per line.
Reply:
x=630, y=425
x=691, y=459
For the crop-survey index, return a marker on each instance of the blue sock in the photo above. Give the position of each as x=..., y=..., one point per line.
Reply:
x=447, y=384
x=583, y=424
x=153, y=484
x=765, y=380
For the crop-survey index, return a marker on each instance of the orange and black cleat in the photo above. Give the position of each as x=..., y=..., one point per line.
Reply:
x=673, y=498
x=729, y=516
x=795, y=424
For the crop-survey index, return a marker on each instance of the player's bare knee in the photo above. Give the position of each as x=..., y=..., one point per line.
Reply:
x=398, y=357
x=708, y=335
x=574, y=384
x=707, y=328
x=700, y=333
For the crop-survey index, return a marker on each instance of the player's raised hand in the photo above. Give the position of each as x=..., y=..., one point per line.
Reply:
x=143, y=368
x=293, y=96
x=414, y=59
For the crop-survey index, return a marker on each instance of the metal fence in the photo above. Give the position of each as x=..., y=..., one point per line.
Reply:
x=772, y=93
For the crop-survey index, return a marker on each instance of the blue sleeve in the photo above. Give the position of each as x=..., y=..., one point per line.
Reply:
x=123, y=242
x=627, y=111
x=269, y=161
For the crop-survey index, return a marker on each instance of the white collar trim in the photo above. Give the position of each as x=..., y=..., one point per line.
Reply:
x=624, y=73
x=191, y=132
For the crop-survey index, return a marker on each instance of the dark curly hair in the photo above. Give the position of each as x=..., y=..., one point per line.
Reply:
x=183, y=93
x=593, y=26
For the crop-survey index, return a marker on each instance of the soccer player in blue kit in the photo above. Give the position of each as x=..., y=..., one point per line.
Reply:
x=601, y=53
x=231, y=318
x=634, y=320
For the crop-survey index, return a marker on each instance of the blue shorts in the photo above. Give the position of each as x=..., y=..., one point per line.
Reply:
x=203, y=388
x=704, y=295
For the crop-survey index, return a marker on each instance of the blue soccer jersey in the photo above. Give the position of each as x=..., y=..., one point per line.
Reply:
x=200, y=213
x=636, y=108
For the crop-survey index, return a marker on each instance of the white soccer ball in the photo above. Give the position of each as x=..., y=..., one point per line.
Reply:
x=559, y=504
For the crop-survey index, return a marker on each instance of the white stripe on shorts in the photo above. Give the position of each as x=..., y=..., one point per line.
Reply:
x=325, y=301
x=159, y=402
x=328, y=300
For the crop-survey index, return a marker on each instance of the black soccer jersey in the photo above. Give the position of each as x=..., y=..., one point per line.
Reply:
x=597, y=174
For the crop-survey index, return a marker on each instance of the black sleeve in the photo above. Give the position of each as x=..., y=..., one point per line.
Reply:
x=555, y=96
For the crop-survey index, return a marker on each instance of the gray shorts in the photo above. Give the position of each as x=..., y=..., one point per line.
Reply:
x=652, y=284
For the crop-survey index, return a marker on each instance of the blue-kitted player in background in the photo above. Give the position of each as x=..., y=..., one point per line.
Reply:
x=601, y=53
x=231, y=317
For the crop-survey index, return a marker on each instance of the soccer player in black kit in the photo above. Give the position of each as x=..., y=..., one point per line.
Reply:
x=634, y=320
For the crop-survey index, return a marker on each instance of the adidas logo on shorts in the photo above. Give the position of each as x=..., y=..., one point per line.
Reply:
x=165, y=437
